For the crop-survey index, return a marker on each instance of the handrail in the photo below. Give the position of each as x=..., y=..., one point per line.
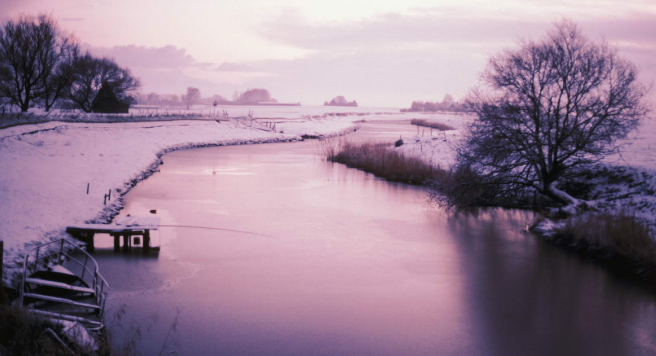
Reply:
x=62, y=241
x=99, y=284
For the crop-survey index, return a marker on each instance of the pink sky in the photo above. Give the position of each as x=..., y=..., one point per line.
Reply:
x=383, y=53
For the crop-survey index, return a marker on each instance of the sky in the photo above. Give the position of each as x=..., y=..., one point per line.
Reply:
x=381, y=53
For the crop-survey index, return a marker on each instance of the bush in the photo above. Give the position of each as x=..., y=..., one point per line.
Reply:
x=616, y=235
x=23, y=333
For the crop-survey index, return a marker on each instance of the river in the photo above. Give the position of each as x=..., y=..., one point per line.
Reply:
x=319, y=259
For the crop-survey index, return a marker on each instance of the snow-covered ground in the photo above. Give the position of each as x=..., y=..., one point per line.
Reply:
x=437, y=147
x=46, y=168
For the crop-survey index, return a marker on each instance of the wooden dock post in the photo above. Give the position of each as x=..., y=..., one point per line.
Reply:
x=117, y=242
x=146, y=241
x=91, y=244
x=126, y=242
x=2, y=261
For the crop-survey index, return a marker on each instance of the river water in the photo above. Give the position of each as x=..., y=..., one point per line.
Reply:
x=319, y=259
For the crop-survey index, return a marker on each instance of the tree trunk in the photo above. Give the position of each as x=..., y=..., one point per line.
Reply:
x=558, y=195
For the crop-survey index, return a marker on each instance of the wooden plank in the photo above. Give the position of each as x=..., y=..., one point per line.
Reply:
x=47, y=283
x=108, y=228
x=61, y=300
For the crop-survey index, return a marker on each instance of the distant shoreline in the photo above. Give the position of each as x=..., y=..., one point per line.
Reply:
x=259, y=104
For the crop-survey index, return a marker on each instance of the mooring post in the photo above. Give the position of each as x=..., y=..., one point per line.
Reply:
x=2, y=261
x=146, y=241
x=91, y=246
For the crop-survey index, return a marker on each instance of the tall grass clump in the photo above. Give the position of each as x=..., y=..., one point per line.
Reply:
x=379, y=159
x=431, y=124
x=611, y=235
x=24, y=333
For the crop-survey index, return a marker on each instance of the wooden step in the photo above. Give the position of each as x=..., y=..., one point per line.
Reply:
x=47, y=283
x=61, y=300
x=67, y=317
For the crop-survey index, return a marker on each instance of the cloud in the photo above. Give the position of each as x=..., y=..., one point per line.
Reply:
x=168, y=57
x=235, y=67
x=205, y=65
x=445, y=47
x=443, y=26
x=390, y=30
x=72, y=19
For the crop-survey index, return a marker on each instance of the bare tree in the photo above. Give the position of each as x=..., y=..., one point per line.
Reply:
x=548, y=107
x=56, y=85
x=89, y=74
x=30, y=50
x=192, y=97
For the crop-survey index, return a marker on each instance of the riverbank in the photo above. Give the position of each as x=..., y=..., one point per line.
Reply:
x=56, y=174
x=621, y=186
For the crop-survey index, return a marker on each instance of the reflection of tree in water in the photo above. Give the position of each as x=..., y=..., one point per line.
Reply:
x=529, y=297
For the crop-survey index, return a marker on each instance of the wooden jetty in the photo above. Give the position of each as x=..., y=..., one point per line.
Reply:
x=61, y=281
x=127, y=227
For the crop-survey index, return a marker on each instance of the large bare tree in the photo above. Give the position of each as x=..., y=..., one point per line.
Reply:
x=550, y=106
x=30, y=50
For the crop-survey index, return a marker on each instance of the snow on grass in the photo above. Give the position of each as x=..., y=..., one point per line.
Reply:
x=438, y=150
x=436, y=147
x=46, y=168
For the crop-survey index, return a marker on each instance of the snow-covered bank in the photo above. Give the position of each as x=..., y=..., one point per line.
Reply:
x=47, y=167
x=624, y=182
x=437, y=148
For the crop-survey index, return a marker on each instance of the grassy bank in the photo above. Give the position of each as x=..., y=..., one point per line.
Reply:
x=618, y=240
x=378, y=159
x=431, y=124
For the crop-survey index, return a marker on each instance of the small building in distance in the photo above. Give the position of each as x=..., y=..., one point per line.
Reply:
x=106, y=101
x=340, y=101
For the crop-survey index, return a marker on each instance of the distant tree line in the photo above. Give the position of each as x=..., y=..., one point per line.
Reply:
x=193, y=97
x=42, y=67
x=447, y=104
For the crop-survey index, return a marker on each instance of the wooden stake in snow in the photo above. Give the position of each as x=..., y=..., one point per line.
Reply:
x=88, y=185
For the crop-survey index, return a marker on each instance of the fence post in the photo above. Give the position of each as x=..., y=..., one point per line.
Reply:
x=2, y=261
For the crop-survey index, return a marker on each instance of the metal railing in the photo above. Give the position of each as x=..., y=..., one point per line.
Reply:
x=56, y=253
